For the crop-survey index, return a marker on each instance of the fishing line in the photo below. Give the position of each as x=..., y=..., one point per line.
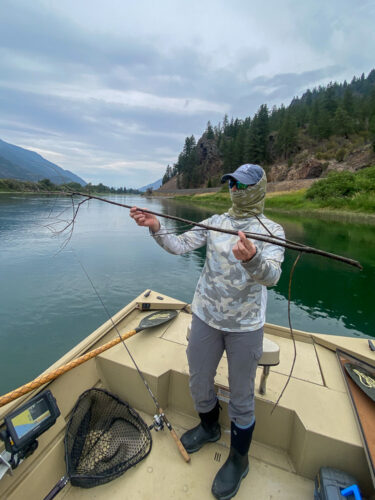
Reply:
x=291, y=333
x=270, y=233
x=289, y=304
x=53, y=204
x=289, y=318
x=257, y=236
x=118, y=333
x=158, y=424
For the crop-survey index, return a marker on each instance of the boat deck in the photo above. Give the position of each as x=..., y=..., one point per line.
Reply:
x=312, y=426
x=164, y=474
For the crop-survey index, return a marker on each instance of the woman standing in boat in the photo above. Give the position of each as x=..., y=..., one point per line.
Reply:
x=229, y=308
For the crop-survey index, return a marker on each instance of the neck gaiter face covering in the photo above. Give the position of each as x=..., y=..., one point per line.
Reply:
x=248, y=202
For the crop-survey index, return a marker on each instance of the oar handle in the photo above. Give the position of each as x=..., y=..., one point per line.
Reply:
x=48, y=377
x=180, y=446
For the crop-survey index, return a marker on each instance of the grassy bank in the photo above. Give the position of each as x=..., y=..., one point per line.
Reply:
x=340, y=196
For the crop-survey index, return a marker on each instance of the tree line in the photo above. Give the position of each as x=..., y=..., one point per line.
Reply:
x=341, y=110
x=45, y=185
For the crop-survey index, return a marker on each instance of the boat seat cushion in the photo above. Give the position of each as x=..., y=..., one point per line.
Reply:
x=271, y=353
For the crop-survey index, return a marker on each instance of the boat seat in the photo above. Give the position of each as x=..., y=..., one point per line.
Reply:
x=270, y=357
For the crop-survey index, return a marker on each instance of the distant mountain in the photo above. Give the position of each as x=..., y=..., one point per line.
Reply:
x=154, y=185
x=22, y=164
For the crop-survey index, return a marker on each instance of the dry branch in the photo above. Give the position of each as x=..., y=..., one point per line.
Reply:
x=292, y=245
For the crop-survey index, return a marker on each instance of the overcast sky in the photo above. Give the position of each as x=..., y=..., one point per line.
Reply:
x=110, y=89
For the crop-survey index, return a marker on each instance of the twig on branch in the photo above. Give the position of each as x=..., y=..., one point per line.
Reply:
x=292, y=245
x=69, y=224
x=255, y=236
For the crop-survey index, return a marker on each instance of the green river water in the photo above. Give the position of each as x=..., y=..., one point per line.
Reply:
x=48, y=305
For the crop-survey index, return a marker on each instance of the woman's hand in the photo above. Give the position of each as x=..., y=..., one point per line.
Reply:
x=244, y=249
x=145, y=219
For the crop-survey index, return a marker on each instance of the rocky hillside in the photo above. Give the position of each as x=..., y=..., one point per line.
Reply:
x=310, y=165
x=307, y=166
x=327, y=128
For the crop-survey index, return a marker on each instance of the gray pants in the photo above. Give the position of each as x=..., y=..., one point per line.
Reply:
x=205, y=349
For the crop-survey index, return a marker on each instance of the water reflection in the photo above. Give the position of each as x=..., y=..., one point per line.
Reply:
x=48, y=305
x=324, y=288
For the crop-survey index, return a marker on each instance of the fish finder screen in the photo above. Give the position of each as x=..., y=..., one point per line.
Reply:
x=30, y=418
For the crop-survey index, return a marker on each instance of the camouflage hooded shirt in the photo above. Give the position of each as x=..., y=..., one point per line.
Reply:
x=231, y=295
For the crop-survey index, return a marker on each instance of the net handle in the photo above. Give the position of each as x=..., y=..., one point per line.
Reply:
x=57, y=488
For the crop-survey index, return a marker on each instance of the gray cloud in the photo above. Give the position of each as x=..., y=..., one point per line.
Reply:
x=111, y=94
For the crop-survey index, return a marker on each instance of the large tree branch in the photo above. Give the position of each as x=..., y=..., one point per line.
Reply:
x=292, y=245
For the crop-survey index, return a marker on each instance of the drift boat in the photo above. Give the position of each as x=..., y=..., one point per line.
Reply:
x=313, y=425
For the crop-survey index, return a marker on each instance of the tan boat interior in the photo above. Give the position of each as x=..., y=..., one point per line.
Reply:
x=312, y=426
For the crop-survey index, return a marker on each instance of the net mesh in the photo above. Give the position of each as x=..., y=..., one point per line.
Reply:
x=104, y=438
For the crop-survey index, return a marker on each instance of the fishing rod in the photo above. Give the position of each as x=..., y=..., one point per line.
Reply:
x=256, y=236
x=160, y=419
x=155, y=319
x=269, y=239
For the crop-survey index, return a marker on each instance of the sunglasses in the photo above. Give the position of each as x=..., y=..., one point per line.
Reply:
x=238, y=184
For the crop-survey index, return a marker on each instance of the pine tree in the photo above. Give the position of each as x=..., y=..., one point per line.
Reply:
x=372, y=131
x=187, y=160
x=256, y=150
x=239, y=146
x=225, y=124
x=252, y=150
x=209, y=131
x=228, y=163
x=371, y=103
x=348, y=102
x=324, y=124
x=287, y=137
x=371, y=126
x=329, y=98
x=263, y=133
x=343, y=123
x=342, y=109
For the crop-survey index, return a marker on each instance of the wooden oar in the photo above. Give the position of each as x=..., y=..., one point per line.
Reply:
x=154, y=319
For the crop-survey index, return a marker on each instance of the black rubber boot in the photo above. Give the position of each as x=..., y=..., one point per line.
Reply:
x=207, y=431
x=228, y=479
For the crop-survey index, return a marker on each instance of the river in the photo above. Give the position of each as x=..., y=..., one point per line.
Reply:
x=48, y=305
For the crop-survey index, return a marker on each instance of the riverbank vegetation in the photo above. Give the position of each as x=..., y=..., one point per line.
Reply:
x=339, y=191
x=46, y=186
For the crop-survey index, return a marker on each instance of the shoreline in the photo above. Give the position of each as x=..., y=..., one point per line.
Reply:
x=64, y=193
x=329, y=215
x=320, y=213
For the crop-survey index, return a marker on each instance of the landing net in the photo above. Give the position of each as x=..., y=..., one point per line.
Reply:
x=104, y=438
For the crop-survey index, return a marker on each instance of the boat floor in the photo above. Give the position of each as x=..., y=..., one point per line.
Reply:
x=164, y=473
x=313, y=425
x=303, y=434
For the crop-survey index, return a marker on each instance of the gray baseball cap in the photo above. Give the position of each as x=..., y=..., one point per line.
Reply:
x=247, y=174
